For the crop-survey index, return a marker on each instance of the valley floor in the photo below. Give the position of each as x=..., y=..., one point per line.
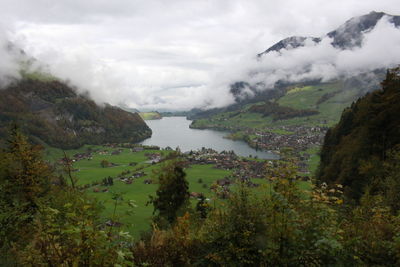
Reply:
x=134, y=178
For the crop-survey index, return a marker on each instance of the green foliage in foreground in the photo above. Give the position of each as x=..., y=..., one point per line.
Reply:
x=283, y=227
x=45, y=222
x=280, y=225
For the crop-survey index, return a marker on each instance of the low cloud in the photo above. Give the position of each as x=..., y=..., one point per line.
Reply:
x=322, y=61
x=184, y=54
x=9, y=66
x=169, y=87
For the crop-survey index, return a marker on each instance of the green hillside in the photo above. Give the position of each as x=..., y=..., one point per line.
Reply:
x=50, y=111
x=327, y=99
x=154, y=115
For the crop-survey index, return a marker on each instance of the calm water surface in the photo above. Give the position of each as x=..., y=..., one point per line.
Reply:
x=175, y=131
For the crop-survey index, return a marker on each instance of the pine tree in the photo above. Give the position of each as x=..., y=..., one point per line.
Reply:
x=24, y=181
x=172, y=194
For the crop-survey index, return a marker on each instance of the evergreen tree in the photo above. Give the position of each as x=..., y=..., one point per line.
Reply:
x=24, y=182
x=172, y=195
x=50, y=224
x=355, y=150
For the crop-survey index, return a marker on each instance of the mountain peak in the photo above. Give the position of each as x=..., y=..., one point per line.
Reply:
x=348, y=35
x=290, y=43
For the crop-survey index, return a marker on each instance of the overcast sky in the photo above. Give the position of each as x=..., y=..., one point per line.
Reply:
x=171, y=54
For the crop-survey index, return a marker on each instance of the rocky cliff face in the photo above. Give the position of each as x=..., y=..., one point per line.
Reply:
x=52, y=112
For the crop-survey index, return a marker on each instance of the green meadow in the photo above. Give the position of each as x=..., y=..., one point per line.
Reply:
x=305, y=97
x=136, y=218
x=150, y=115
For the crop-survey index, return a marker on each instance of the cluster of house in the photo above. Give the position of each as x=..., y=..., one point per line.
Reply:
x=129, y=179
x=126, y=177
x=241, y=168
x=116, y=152
x=222, y=186
x=153, y=158
x=82, y=156
x=301, y=137
x=97, y=190
x=132, y=146
x=89, y=155
x=297, y=137
x=102, y=152
x=227, y=160
x=129, y=176
x=118, y=149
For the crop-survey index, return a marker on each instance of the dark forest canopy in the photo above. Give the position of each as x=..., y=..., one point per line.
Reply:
x=355, y=152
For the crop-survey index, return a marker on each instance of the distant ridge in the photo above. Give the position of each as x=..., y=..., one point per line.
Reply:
x=347, y=36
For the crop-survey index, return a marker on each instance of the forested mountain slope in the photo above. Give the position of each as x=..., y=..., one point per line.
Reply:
x=52, y=112
x=357, y=150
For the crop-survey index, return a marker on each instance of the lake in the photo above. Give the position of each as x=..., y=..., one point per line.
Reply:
x=175, y=132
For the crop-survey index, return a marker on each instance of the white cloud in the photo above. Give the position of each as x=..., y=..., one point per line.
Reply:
x=180, y=54
x=323, y=61
x=9, y=66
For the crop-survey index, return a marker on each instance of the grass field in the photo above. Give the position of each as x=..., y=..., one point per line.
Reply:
x=299, y=89
x=306, y=97
x=313, y=162
x=90, y=171
x=150, y=115
x=138, y=219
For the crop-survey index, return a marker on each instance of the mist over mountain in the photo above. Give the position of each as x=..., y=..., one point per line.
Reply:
x=362, y=47
x=180, y=71
x=347, y=36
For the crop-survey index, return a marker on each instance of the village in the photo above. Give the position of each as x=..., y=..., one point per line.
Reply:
x=246, y=170
x=299, y=138
x=227, y=160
